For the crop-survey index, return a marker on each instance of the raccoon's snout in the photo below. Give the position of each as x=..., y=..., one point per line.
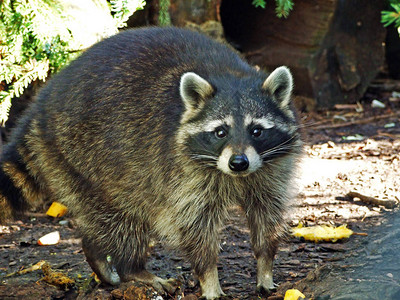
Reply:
x=238, y=163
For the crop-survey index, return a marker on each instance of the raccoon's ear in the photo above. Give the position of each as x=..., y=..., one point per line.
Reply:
x=280, y=85
x=194, y=90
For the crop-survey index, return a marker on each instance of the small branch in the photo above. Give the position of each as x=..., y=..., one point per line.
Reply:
x=386, y=85
x=360, y=233
x=372, y=200
x=362, y=121
x=35, y=267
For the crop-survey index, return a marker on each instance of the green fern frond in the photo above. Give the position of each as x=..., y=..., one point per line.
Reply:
x=5, y=105
x=164, y=19
x=35, y=39
x=391, y=17
x=283, y=7
x=259, y=3
x=123, y=9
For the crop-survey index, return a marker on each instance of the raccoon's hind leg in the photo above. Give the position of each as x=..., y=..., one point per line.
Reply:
x=105, y=268
x=131, y=264
x=18, y=187
x=116, y=248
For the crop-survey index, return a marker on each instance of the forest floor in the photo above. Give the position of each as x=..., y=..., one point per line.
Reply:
x=348, y=149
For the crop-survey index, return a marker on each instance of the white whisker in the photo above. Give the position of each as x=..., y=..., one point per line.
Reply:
x=282, y=148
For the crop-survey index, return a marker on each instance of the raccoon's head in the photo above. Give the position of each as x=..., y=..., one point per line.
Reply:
x=238, y=124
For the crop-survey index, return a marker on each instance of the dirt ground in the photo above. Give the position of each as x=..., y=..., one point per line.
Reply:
x=346, y=150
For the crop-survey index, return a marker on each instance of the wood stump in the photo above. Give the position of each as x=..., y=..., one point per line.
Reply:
x=333, y=47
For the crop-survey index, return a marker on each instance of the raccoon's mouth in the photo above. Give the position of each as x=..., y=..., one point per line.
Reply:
x=239, y=165
x=238, y=174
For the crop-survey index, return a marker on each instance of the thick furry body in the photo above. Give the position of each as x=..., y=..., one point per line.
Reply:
x=111, y=138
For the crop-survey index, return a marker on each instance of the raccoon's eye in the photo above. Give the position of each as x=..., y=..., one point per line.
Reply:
x=220, y=133
x=256, y=132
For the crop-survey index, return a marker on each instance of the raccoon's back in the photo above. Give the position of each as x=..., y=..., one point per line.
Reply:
x=112, y=114
x=136, y=72
x=138, y=63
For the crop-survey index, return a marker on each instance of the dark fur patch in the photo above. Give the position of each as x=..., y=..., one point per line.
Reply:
x=11, y=193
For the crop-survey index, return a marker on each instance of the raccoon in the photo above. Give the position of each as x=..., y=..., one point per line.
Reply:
x=157, y=132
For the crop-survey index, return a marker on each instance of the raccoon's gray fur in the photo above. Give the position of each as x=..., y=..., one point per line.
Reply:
x=158, y=132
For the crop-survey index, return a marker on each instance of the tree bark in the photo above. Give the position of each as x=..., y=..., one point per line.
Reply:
x=333, y=47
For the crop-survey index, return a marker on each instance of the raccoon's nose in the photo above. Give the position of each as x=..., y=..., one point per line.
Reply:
x=238, y=163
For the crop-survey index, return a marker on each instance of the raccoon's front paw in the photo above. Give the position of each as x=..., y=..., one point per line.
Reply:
x=214, y=296
x=266, y=290
x=212, y=292
x=165, y=285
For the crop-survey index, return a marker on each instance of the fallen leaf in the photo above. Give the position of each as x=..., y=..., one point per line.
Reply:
x=357, y=137
x=293, y=294
x=322, y=233
x=56, y=278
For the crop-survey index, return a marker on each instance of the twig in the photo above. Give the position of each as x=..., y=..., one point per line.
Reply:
x=386, y=85
x=346, y=106
x=360, y=233
x=356, y=122
x=372, y=200
x=7, y=246
x=35, y=214
x=35, y=267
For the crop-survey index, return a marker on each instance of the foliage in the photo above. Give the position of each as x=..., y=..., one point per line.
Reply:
x=164, y=18
x=283, y=7
x=392, y=17
x=123, y=9
x=34, y=42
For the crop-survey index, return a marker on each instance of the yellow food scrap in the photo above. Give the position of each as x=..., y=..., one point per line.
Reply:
x=56, y=210
x=322, y=233
x=293, y=294
x=56, y=278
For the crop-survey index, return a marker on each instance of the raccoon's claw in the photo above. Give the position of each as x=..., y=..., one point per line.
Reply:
x=161, y=285
x=222, y=296
x=213, y=294
x=103, y=268
x=106, y=273
x=165, y=285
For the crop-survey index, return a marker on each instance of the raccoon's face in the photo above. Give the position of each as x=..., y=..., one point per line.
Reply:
x=238, y=125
